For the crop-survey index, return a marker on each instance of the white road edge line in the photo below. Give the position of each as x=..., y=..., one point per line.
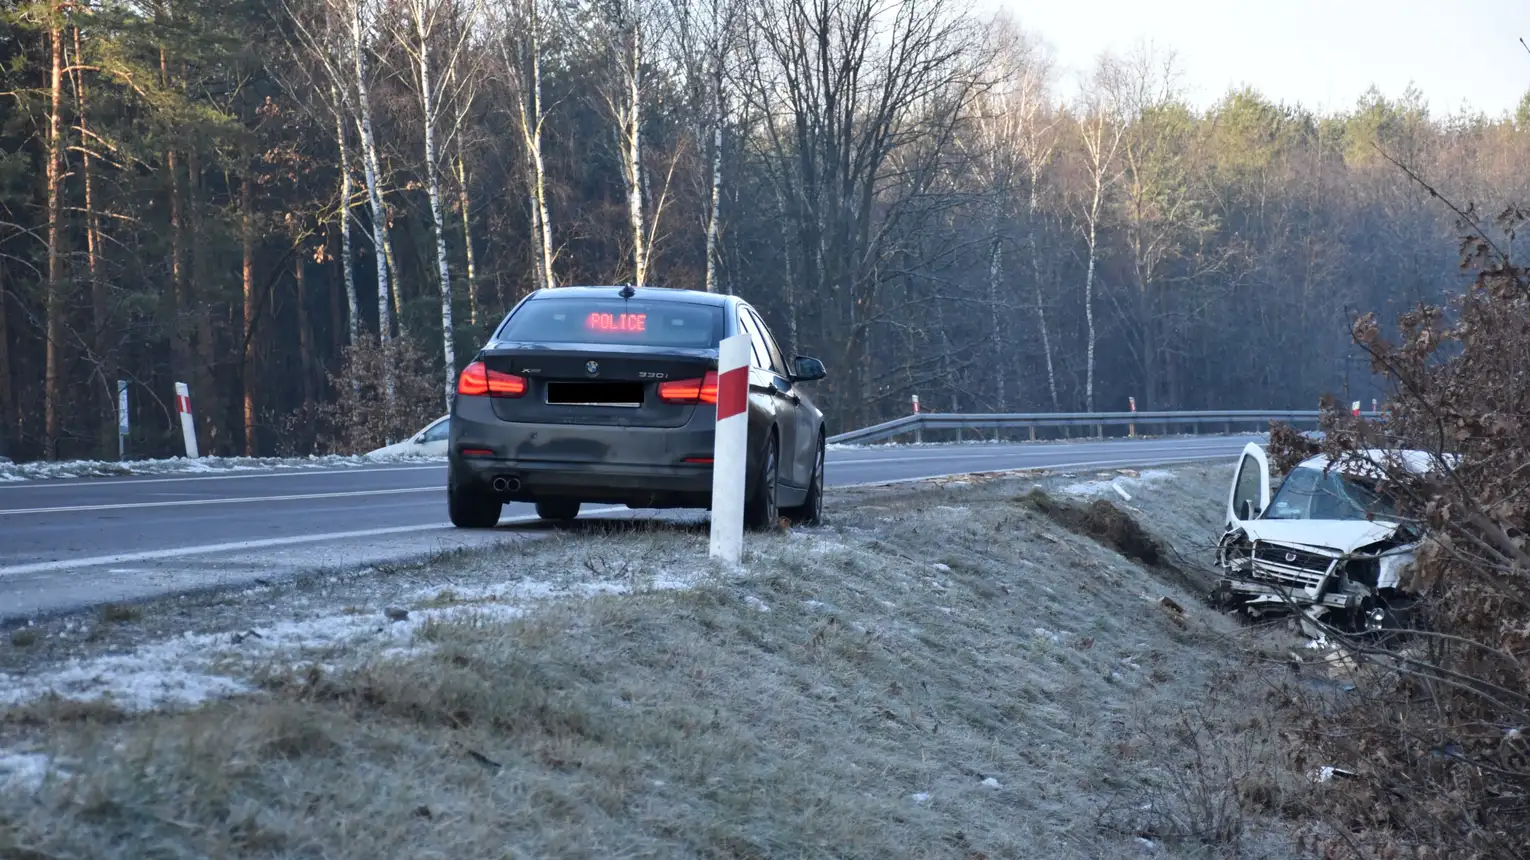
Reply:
x=62, y=509
x=135, y=480
x=236, y=546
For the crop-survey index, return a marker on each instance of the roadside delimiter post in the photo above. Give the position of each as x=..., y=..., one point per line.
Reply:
x=188, y=428
x=730, y=454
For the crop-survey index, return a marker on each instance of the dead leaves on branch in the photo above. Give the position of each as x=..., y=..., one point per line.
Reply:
x=1460, y=375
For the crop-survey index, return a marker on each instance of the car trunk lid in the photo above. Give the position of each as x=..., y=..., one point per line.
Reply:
x=605, y=386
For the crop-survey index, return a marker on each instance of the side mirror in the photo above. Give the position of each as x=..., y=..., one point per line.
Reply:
x=1246, y=510
x=806, y=369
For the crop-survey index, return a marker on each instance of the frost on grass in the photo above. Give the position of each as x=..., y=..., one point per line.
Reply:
x=194, y=668
x=883, y=707
x=201, y=465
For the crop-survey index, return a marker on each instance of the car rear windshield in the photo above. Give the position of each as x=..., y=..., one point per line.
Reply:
x=612, y=321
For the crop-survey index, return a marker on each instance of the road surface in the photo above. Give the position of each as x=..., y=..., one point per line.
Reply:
x=68, y=543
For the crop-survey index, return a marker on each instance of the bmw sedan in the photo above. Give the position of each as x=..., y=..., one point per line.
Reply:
x=609, y=395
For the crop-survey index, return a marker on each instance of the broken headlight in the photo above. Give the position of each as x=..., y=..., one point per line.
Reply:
x=1363, y=571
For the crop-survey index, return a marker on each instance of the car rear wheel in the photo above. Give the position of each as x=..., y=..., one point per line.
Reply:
x=760, y=512
x=557, y=509
x=469, y=510
x=810, y=512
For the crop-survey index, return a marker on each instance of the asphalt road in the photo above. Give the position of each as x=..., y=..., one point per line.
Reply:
x=76, y=542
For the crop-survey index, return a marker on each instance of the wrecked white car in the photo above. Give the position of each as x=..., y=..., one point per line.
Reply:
x=1327, y=545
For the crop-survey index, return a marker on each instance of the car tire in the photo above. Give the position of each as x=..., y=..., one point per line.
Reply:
x=561, y=510
x=469, y=510
x=760, y=511
x=810, y=512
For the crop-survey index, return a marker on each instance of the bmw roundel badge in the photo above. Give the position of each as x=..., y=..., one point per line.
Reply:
x=592, y=367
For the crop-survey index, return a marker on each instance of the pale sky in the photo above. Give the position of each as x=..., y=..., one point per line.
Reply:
x=1321, y=53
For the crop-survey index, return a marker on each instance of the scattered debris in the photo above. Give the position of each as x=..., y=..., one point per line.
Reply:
x=1326, y=773
x=239, y=638
x=484, y=760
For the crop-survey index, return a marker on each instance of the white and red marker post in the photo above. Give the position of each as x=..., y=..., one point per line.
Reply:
x=730, y=456
x=188, y=428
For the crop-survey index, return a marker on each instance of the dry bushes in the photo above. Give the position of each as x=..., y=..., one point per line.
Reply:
x=363, y=414
x=1441, y=750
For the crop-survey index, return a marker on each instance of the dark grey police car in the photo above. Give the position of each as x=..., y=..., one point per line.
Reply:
x=608, y=395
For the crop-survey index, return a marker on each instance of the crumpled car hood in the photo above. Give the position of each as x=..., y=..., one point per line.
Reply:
x=1336, y=535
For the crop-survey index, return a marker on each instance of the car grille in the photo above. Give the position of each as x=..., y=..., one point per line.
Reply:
x=1289, y=566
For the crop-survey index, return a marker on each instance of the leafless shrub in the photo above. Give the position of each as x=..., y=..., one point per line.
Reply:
x=1223, y=773
x=362, y=415
x=1443, y=753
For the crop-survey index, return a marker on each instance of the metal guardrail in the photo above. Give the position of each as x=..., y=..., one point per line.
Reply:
x=1032, y=421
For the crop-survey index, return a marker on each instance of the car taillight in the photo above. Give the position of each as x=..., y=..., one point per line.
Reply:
x=690, y=390
x=477, y=380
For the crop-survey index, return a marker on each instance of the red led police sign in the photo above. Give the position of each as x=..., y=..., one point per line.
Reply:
x=598, y=321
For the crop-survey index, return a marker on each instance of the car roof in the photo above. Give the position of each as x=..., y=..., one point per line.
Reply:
x=1417, y=462
x=658, y=294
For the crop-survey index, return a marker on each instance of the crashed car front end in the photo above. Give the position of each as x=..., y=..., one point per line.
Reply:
x=1329, y=541
x=1367, y=585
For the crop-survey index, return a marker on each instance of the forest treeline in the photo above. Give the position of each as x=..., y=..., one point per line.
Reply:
x=233, y=193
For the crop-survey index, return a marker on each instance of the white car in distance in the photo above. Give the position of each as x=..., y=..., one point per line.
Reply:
x=1327, y=544
x=432, y=441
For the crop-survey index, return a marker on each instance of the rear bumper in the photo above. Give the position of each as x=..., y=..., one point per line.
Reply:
x=688, y=486
x=638, y=466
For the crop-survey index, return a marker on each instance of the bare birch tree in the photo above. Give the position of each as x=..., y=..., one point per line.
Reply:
x=621, y=26
x=520, y=46
x=705, y=35
x=441, y=100
x=1101, y=129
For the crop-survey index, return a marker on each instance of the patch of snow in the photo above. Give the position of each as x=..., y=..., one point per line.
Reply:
x=943, y=568
x=183, y=466
x=756, y=604
x=1118, y=484
x=921, y=797
x=23, y=771
x=990, y=782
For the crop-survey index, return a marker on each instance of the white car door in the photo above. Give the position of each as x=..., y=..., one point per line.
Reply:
x=433, y=440
x=1250, y=494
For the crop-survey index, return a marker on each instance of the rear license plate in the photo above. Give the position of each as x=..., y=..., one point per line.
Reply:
x=628, y=395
